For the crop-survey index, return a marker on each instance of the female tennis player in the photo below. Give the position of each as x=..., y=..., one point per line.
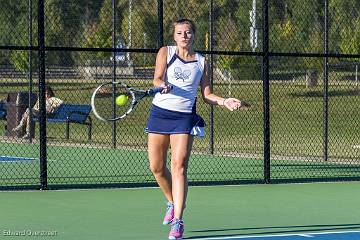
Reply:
x=173, y=121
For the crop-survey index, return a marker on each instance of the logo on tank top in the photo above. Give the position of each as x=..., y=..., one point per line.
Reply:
x=182, y=75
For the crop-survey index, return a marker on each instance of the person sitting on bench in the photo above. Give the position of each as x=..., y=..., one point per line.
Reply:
x=52, y=103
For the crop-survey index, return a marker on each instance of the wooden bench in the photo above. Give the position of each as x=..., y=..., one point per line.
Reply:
x=71, y=113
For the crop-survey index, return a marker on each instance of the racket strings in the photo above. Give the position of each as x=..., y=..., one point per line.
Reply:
x=105, y=101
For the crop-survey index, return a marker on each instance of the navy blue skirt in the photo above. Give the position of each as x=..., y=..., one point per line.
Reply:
x=171, y=122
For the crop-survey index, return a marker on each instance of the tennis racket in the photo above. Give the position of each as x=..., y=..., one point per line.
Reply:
x=105, y=104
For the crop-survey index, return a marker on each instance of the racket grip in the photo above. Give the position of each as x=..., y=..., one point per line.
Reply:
x=157, y=90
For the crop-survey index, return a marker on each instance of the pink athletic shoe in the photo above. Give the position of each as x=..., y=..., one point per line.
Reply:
x=169, y=216
x=177, y=229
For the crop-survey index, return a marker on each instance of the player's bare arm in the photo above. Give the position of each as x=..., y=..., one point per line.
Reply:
x=160, y=69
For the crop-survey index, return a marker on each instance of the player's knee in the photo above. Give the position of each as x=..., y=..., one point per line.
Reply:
x=178, y=167
x=157, y=169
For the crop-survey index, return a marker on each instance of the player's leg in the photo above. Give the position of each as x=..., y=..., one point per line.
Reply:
x=181, y=145
x=158, y=145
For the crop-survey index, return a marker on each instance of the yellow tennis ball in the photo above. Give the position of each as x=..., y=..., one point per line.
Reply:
x=121, y=100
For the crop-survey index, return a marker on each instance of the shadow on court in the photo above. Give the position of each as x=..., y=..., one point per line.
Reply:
x=211, y=233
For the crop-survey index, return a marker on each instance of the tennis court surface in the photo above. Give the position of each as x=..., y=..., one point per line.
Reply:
x=281, y=212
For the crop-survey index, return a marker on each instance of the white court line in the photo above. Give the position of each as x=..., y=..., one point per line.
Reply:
x=305, y=235
x=17, y=158
x=309, y=234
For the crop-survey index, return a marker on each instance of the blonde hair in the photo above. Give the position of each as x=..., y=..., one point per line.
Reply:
x=185, y=21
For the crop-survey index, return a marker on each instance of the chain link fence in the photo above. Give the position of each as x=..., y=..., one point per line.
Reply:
x=296, y=63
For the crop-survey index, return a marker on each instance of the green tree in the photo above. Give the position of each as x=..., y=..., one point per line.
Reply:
x=345, y=28
x=350, y=38
x=64, y=26
x=143, y=28
x=17, y=32
x=99, y=34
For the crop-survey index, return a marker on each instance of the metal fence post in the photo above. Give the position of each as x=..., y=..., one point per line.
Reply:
x=266, y=89
x=114, y=69
x=160, y=24
x=326, y=84
x=42, y=116
x=30, y=68
x=211, y=73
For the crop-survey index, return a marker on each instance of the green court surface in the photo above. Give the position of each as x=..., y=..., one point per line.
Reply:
x=218, y=211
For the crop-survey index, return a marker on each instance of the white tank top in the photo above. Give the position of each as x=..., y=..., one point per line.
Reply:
x=185, y=78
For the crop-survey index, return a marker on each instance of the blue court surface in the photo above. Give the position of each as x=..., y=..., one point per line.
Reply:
x=348, y=235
